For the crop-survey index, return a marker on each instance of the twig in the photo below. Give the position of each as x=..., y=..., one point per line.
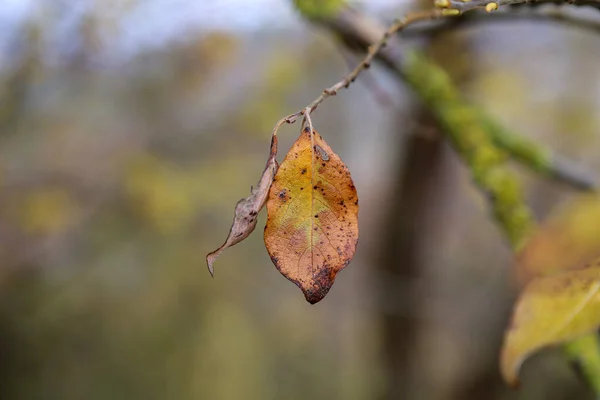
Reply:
x=357, y=30
x=463, y=6
x=397, y=26
x=369, y=81
x=536, y=156
x=445, y=8
x=551, y=16
x=563, y=170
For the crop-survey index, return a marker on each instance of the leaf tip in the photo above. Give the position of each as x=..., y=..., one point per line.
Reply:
x=319, y=287
x=314, y=295
x=210, y=259
x=511, y=360
x=510, y=378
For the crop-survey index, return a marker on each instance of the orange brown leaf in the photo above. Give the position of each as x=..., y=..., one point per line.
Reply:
x=312, y=216
x=246, y=210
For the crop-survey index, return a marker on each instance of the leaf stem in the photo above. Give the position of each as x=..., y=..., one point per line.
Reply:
x=584, y=352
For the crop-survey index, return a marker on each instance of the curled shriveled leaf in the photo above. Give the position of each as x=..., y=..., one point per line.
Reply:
x=246, y=210
x=566, y=241
x=551, y=310
x=312, y=216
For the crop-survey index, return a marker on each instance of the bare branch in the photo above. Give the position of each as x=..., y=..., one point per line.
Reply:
x=444, y=8
x=463, y=6
x=359, y=32
x=397, y=26
x=552, y=15
x=380, y=95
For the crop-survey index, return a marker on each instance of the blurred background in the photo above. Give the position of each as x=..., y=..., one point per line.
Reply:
x=130, y=128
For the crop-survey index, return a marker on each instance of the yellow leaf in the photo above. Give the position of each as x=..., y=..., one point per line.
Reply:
x=312, y=216
x=551, y=310
x=47, y=211
x=566, y=241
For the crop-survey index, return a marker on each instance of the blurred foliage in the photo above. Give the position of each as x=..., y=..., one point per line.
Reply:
x=550, y=311
x=568, y=240
x=318, y=8
x=280, y=76
x=44, y=211
x=558, y=269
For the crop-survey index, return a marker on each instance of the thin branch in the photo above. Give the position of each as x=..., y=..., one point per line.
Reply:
x=464, y=6
x=357, y=30
x=370, y=82
x=397, y=26
x=537, y=156
x=549, y=16
x=563, y=170
x=445, y=8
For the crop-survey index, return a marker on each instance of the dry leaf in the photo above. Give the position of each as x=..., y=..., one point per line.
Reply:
x=551, y=310
x=246, y=210
x=566, y=241
x=312, y=216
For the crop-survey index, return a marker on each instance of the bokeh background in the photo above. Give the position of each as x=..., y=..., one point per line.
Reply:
x=128, y=131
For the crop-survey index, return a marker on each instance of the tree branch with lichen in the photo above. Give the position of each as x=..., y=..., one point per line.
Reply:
x=536, y=156
x=357, y=31
x=462, y=124
x=482, y=143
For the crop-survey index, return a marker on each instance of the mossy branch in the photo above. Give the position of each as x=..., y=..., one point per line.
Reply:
x=315, y=9
x=536, y=156
x=479, y=140
x=462, y=124
x=482, y=143
x=357, y=32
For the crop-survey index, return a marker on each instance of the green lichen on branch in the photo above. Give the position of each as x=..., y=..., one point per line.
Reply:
x=461, y=122
x=479, y=141
x=316, y=9
x=522, y=149
x=536, y=156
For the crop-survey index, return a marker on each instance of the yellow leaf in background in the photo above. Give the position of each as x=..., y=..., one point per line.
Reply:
x=312, y=216
x=160, y=193
x=47, y=211
x=549, y=311
x=568, y=240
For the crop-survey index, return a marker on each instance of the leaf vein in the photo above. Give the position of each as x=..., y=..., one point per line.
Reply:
x=593, y=290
